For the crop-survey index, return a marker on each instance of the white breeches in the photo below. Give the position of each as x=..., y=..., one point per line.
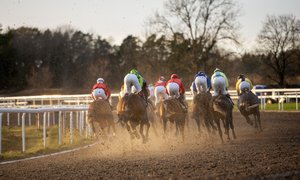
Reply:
x=160, y=91
x=192, y=90
x=131, y=80
x=99, y=93
x=244, y=85
x=173, y=89
x=219, y=85
x=201, y=84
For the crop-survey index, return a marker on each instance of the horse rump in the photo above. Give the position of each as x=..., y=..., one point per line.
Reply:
x=99, y=112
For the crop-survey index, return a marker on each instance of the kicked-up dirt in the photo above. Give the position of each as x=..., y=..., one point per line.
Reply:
x=271, y=154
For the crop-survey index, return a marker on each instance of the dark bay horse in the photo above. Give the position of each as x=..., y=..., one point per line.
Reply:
x=131, y=110
x=100, y=113
x=248, y=104
x=171, y=110
x=222, y=110
x=201, y=111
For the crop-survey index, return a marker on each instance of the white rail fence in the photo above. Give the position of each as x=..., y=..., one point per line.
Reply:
x=278, y=95
x=69, y=104
x=80, y=121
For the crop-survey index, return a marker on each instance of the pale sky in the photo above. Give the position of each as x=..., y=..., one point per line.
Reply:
x=117, y=19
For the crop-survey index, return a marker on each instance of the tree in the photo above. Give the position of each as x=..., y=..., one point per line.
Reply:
x=205, y=23
x=278, y=40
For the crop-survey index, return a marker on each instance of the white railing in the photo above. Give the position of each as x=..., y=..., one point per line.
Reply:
x=46, y=116
x=279, y=95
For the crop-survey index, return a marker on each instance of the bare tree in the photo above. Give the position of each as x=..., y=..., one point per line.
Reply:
x=278, y=39
x=205, y=22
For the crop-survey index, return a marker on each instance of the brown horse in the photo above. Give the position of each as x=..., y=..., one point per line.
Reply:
x=171, y=110
x=202, y=111
x=248, y=104
x=222, y=110
x=100, y=113
x=131, y=110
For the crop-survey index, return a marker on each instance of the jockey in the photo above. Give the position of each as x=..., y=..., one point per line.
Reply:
x=220, y=84
x=201, y=83
x=242, y=83
x=100, y=90
x=134, y=78
x=175, y=89
x=160, y=89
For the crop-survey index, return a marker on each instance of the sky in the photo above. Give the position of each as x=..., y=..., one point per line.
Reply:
x=116, y=19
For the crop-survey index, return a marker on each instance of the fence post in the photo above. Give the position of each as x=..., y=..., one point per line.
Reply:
x=0, y=133
x=23, y=132
x=44, y=130
x=77, y=118
x=53, y=118
x=59, y=128
x=29, y=119
x=18, y=119
x=8, y=119
x=296, y=100
x=48, y=120
x=71, y=127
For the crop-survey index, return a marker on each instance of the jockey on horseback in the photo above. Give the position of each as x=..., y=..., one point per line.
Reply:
x=160, y=89
x=242, y=84
x=134, y=78
x=176, y=88
x=100, y=90
x=220, y=84
x=201, y=83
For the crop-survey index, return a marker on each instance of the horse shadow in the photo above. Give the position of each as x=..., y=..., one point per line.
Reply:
x=248, y=104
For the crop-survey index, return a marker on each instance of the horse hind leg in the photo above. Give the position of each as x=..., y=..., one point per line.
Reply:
x=219, y=129
x=258, y=119
x=129, y=130
x=232, y=127
x=198, y=124
x=248, y=119
x=142, y=131
x=147, y=131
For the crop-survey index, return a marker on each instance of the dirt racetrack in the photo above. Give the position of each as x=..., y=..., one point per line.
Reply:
x=272, y=154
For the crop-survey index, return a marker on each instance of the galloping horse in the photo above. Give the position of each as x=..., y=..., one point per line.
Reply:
x=201, y=110
x=222, y=110
x=171, y=110
x=131, y=110
x=248, y=104
x=100, y=113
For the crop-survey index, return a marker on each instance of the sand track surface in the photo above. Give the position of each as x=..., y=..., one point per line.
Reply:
x=272, y=154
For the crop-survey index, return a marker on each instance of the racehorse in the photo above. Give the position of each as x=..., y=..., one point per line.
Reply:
x=222, y=110
x=248, y=104
x=131, y=110
x=201, y=110
x=99, y=112
x=172, y=110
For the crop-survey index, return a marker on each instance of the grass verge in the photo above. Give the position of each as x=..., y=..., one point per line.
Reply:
x=12, y=142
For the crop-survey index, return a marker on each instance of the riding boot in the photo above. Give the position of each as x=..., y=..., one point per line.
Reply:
x=185, y=109
x=228, y=96
x=111, y=107
x=144, y=98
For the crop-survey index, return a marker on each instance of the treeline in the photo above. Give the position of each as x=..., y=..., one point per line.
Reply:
x=70, y=59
